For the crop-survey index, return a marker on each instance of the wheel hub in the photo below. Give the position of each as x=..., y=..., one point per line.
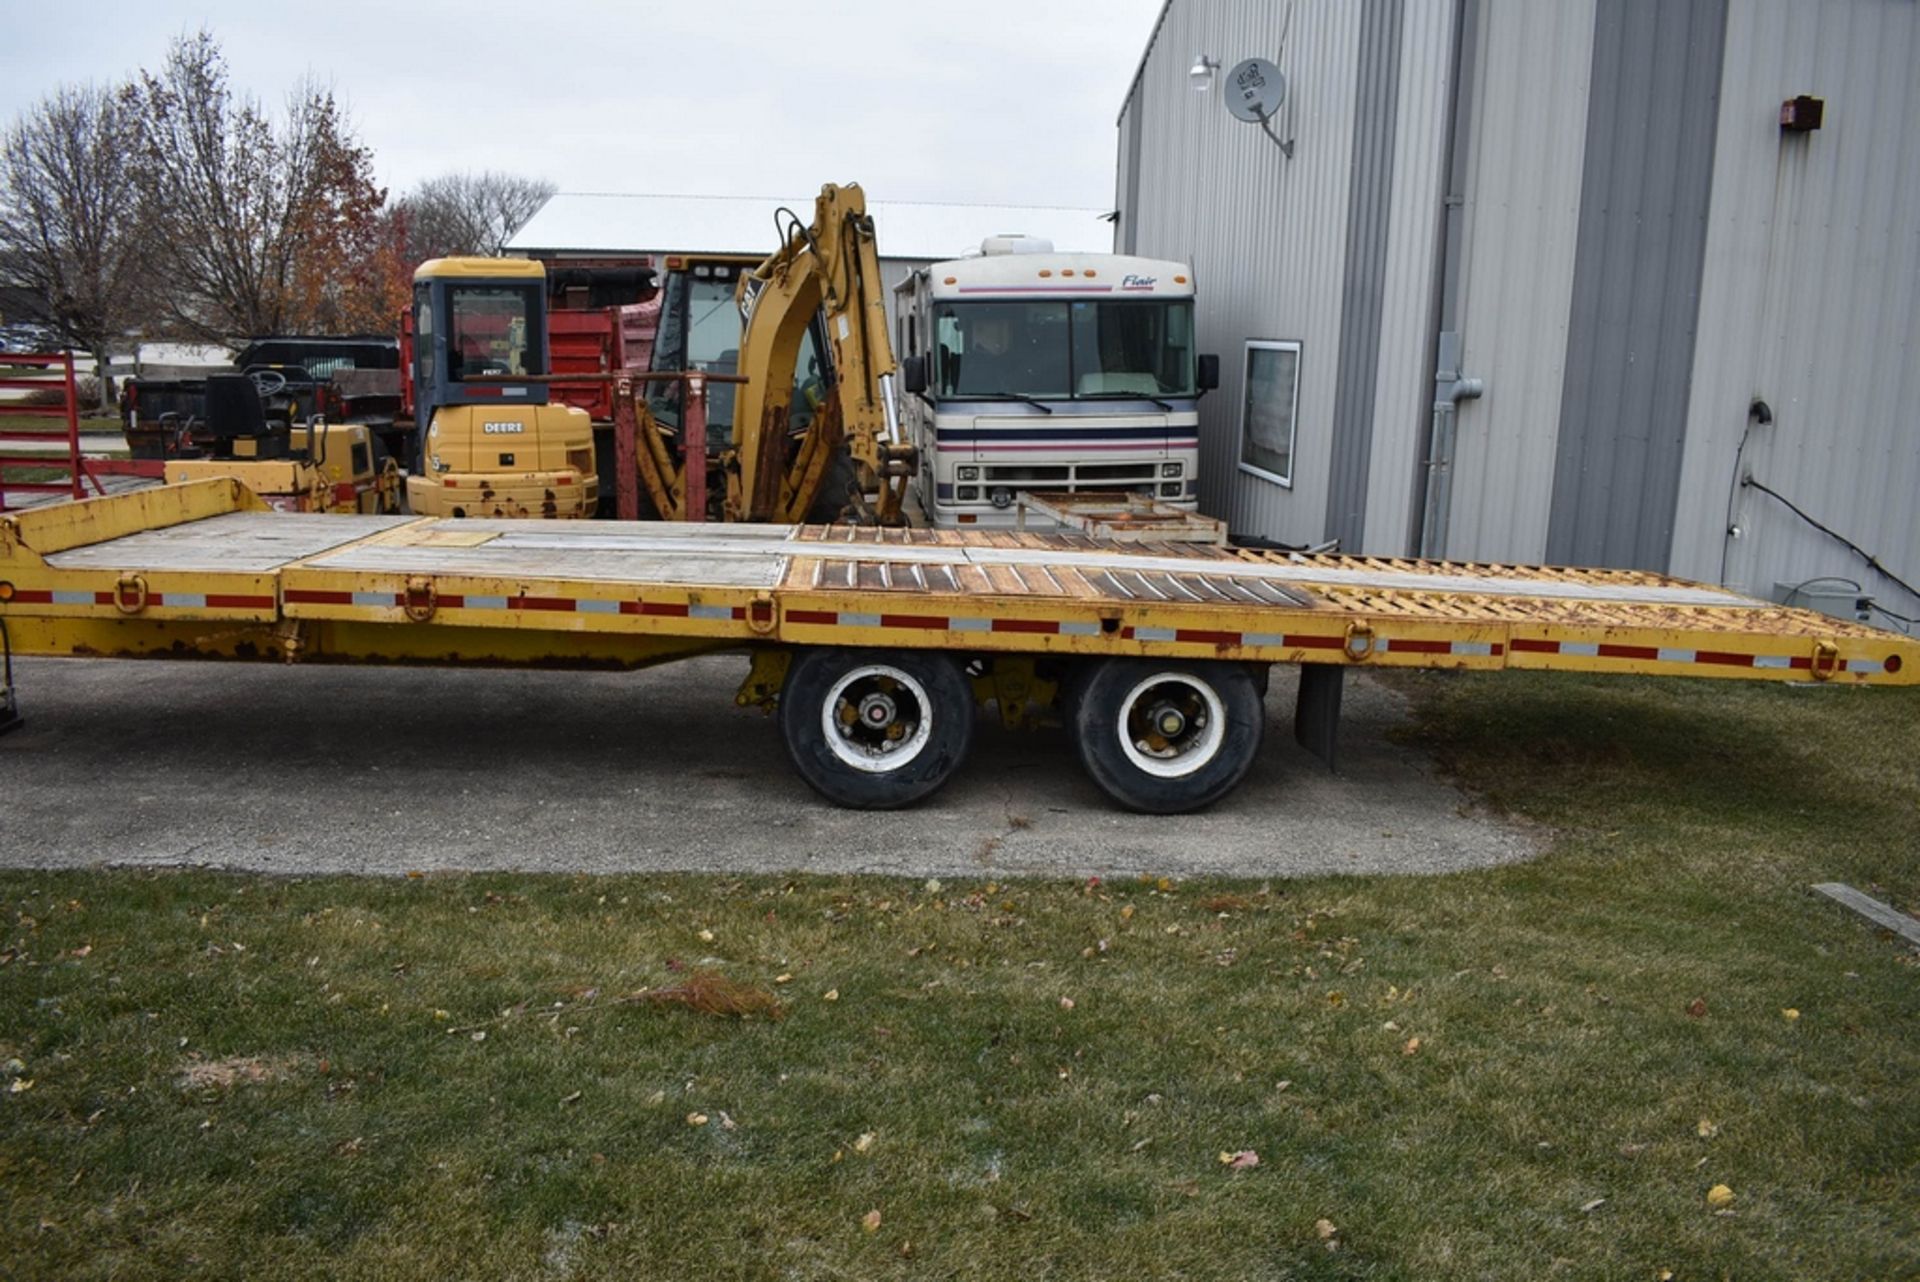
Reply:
x=879, y=718
x=1171, y=725
x=1168, y=720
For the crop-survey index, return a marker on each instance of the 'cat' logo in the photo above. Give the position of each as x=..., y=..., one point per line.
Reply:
x=502, y=429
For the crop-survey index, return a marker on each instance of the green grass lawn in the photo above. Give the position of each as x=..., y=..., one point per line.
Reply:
x=1533, y=1072
x=55, y=424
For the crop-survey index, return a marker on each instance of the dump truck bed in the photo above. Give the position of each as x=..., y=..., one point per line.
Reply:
x=204, y=569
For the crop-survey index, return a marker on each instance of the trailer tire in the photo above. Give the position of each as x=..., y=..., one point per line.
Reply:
x=1212, y=719
x=875, y=729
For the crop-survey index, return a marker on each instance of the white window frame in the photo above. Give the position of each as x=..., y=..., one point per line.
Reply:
x=1293, y=413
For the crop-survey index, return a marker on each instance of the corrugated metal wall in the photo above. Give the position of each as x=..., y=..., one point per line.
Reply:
x=1526, y=138
x=1636, y=281
x=1811, y=300
x=1264, y=233
x=1404, y=390
x=1362, y=305
x=1809, y=293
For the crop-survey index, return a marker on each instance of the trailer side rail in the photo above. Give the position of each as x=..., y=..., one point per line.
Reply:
x=207, y=552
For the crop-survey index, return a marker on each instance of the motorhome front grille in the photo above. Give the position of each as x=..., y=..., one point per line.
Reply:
x=1078, y=476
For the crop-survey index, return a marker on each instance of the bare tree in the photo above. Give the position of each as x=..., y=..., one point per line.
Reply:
x=68, y=219
x=254, y=222
x=470, y=213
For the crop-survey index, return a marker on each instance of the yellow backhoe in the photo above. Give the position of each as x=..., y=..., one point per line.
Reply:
x=815, y=433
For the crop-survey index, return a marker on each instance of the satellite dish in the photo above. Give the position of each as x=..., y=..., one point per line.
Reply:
x=1254, y=90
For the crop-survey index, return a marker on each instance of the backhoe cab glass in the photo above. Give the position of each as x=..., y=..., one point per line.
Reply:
x=1063, y=350
x=700, y=329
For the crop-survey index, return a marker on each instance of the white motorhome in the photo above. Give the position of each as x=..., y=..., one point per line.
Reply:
x=1027, y=370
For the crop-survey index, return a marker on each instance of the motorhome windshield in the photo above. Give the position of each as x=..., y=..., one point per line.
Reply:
x=1064, y=350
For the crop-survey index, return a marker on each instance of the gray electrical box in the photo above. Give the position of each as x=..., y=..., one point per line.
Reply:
x=1829, y=596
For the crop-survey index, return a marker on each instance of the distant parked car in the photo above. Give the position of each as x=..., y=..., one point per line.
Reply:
x=27, y=338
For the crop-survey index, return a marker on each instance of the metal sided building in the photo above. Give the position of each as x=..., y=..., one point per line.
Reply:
x=1553, y=281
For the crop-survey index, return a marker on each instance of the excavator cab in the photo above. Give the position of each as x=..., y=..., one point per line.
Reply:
x=491, y=443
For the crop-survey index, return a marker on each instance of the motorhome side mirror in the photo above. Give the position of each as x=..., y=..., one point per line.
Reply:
x=913, y=373
x=1208, y=375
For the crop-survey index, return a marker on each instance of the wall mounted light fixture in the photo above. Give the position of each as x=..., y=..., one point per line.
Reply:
x=1200, y=75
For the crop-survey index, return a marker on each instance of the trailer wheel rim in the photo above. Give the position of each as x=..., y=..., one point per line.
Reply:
x=1171, y=725
x=877, y=718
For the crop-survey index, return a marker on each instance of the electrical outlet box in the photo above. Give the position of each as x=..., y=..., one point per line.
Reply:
x=1829, y=597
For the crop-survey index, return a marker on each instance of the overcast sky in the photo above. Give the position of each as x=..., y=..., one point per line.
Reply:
x=988, y=101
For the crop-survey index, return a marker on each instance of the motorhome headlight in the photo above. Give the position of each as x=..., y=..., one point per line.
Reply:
x=968, y=494
x=1001, y=496
x=968, y=473
x=1170, y=489
x=1170, y=469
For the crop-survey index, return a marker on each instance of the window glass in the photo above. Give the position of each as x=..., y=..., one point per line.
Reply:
x=1138, y=349
x=700, y=328
x=1060, y=350
x=713, y=342
x=812, y=380
x=423, y=331
x=490, y=335
x=713, y=325
x=1267, y=415
x=999, y=349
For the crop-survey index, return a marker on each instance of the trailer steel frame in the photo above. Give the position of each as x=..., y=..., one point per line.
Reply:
x=205, y=570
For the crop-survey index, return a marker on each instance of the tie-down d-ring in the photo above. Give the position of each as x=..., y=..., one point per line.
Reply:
x=1360, y=641
x=761, y=616
x=130, y=594
x=420, y=599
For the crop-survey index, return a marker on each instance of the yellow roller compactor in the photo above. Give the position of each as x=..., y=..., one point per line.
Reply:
x=875, y=643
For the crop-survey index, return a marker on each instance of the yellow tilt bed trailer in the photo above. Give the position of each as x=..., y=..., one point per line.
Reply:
x=874, y=643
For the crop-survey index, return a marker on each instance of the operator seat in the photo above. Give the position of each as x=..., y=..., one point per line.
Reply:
x=234, y=412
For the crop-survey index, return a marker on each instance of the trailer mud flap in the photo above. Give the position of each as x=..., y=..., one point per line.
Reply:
x=1316, y=712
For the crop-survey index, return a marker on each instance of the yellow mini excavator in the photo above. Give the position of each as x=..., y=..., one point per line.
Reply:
x=490, y=442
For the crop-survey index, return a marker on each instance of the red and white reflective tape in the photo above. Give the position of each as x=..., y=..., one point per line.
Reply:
x=1708, y=658
x=978, y=624
x=551, y=604
x=172, y=600
x=940, y=622
x=1178, y=636
x=1313, y=641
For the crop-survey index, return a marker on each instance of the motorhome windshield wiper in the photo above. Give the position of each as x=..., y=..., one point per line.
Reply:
x=1040, y=405
x=1123, y=396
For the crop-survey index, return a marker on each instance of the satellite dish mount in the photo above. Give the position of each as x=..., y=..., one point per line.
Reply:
x=1254, y=91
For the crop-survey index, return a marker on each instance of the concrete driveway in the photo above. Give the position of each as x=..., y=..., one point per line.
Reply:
x=336, y=769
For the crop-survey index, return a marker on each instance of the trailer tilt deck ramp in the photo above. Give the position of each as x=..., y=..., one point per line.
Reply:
x=874, y=643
